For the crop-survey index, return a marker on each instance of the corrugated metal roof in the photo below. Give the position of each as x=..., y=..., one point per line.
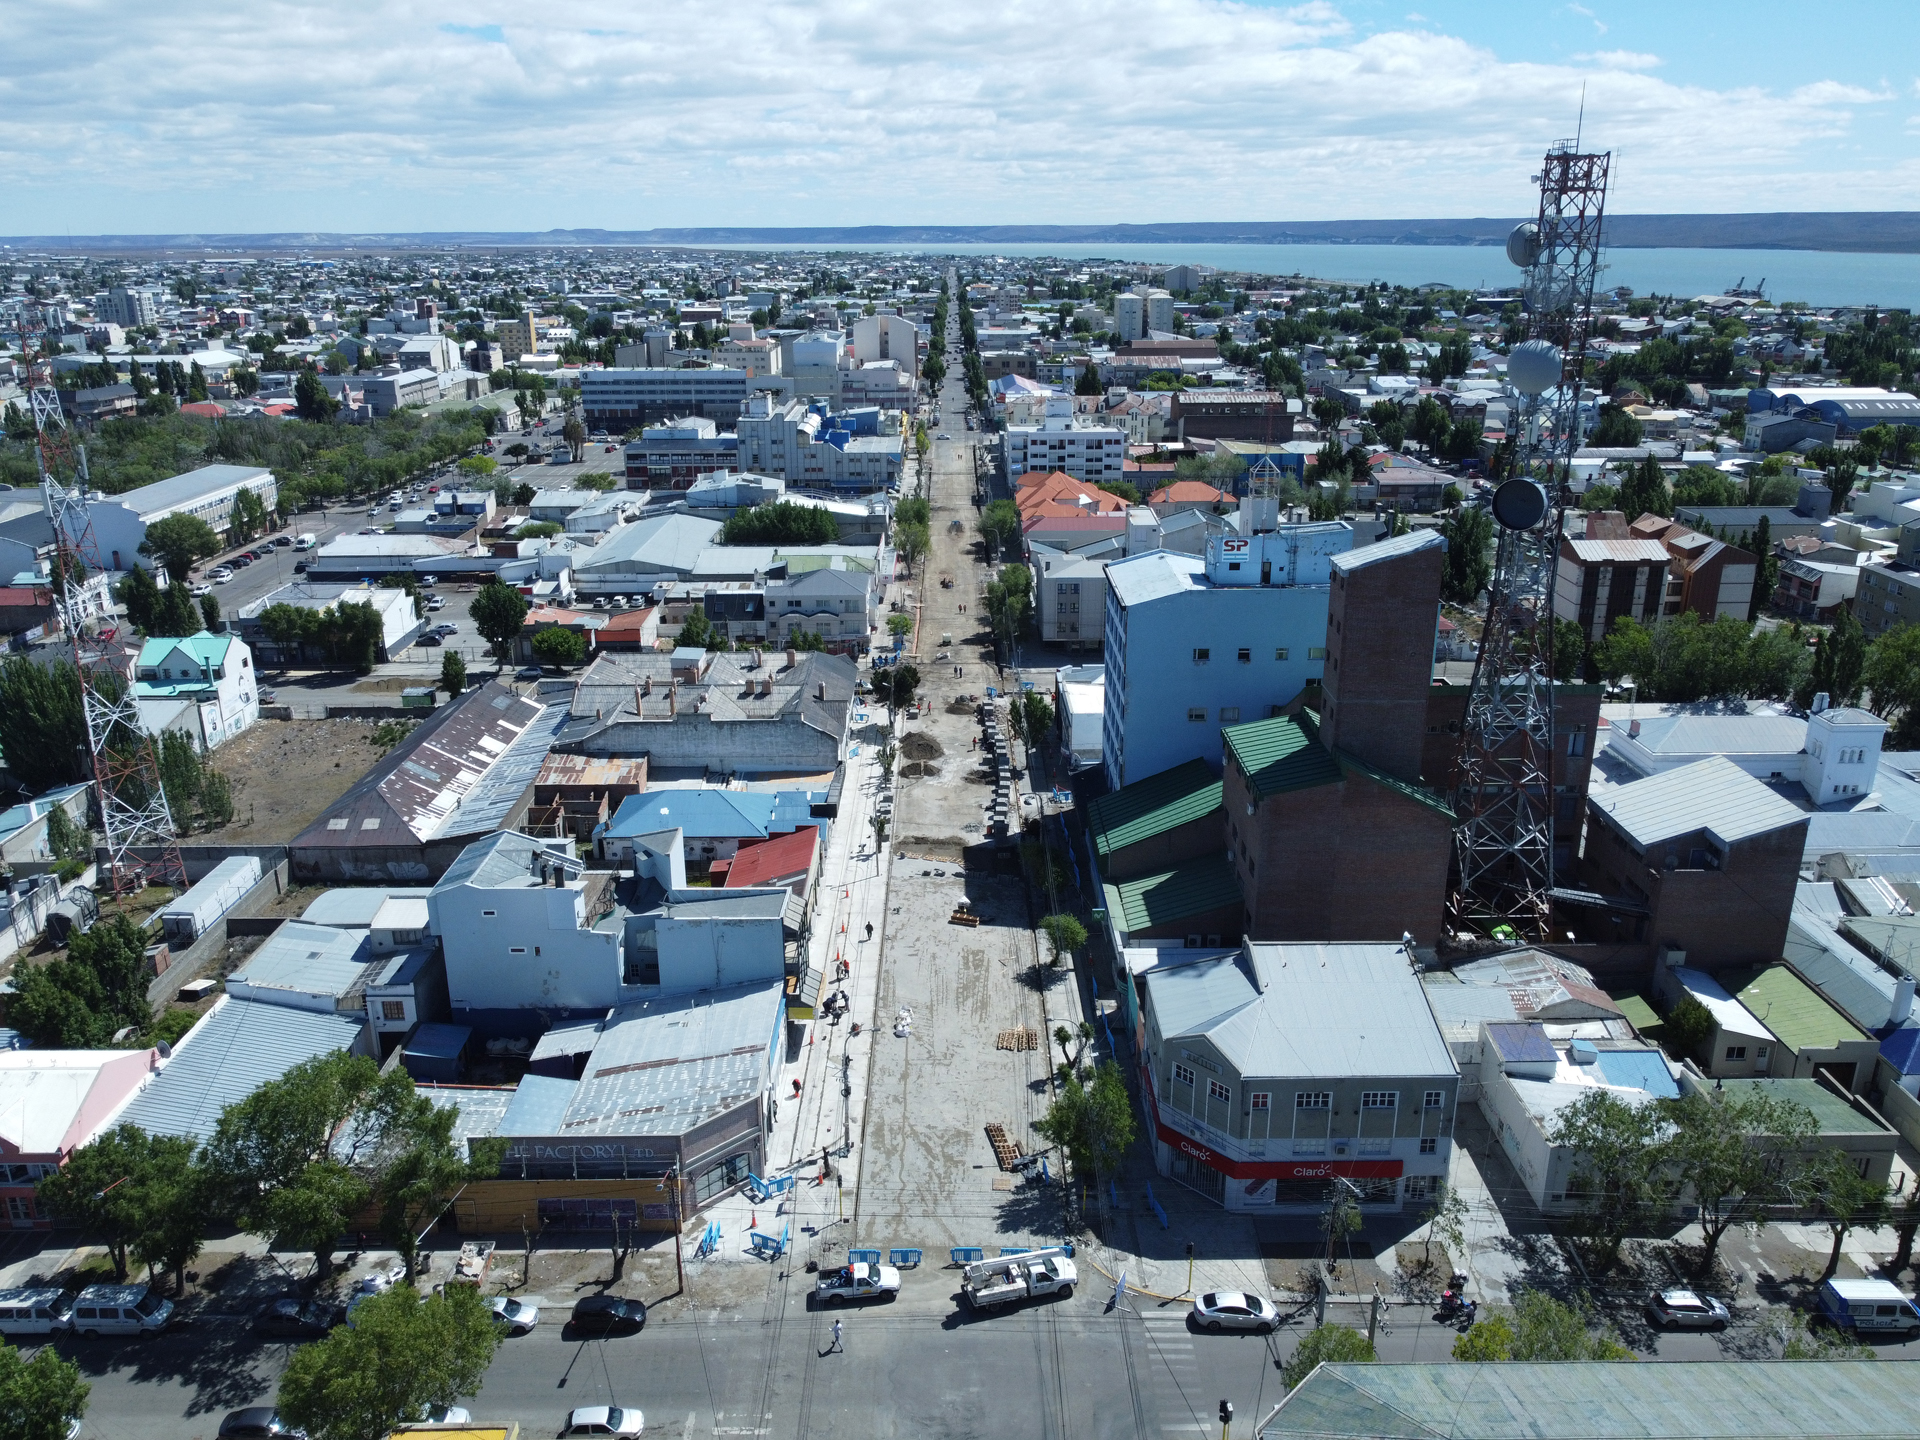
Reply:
x=1280, y=755
x=1794, y=1010
x=1717, y=734
x=353, y=907
x=1307, y=1010
x=235, y=1049
x=1158, y=573
x=665, y=1066
x=1639, y=1070
x=1153, y=806
x=1630, y=552
x=705, y=814
x=1609, y=1400
x=1411, y=543
x=539, y=1107
x=1713, y=795
x=435, y=1041
x=317, y=959
x=565, y=1040
x=1835, y=1115
x=1195, y=888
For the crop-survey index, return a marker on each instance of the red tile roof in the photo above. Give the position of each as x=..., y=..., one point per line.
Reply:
x=1189, y=492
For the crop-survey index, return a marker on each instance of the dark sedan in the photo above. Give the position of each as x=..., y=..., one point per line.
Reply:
x=290, y=1319
x=604, y=1314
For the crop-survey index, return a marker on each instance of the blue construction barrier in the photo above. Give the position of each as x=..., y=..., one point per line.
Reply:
x=771, y=1246
x=709, y=1240
x=966, y=1254
x=759, y=1189
x=1046, y=1175
x=1158, y=1212
x=903, y=1257
x=863, y=1257
x=1016, y=1249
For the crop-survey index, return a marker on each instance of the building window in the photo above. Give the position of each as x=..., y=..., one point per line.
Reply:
x=1217, y=1091
x=1229, y=714
x=393, y=1009
x=1197, y=713
x=1379, y=1099
x=1183, y=1073
x=1420, y=1187
x=1577, y=741
x=1433, y=1100
x=1313, y=1100
x=1736, y=1052
x=1246, y=656
x=1429, y=1145
x=1258, y=1100
x=1202, y=655
x=488, y=914
x=1281, y=653
x=1316, y=652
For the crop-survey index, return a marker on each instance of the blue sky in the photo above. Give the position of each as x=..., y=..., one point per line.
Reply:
x=285, y=115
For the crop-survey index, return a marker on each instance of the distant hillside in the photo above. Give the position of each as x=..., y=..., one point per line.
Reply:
x=1885, y=232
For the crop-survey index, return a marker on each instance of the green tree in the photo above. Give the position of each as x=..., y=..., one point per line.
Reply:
x=1032, y=716
x=169, y=1196
x=180, y=777
x=558, y=646
x=1089, y=381
x=249, y=516
x=523, y=494
x=177, y=615
x=1802, y=1342
x=1735, y=1151
x=403, y=1354
x=1688, y=1028
x=1010, y=602
x=1846, y=1199
x=97, y=1191
x=896, y=685
x=696, y=631
x=1766, y=574
x=999, y=525
x=783, y=522
x=1326, y=1345
x=899, y=626
x=913, y=511
x=498, y=611
x=43, y=729
x=78, y=1001
x=1892, y=677
x=311, y=402
x=423, y=1172
x=179, y=542
x=1643, y=491
x=209, y=613
x=1569, y=650
x=1704, y=485
x=912, y=540
x=1469, y=562
x=1446, y=1217
x=1619, y=1179
x=595, y=481
x=42, y=1398
x=477, y=467
x=538, y=530
x=140, y=598
x=1540, y=1329
x=1615, y=429
x=1600, y=496
x=1092, y=1120
x=453, y=673
x=1065, y=934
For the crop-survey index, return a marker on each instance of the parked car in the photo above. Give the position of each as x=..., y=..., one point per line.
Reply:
x=1235, y=1310
x=528, y=672
x=281, y=542
x=436, y=602
x=201, y=589
x=604, y=1420
x=300, y=567
x=445, y=628
x=427, y=582
x=516, y=1315
x=446, y=1415
x=1685, y=1310
x=267, y=697
x=221, y=577
x=240, y=562
x=430, y=637
x=604, y=1314
x=258, y=1422
x=294, y=1319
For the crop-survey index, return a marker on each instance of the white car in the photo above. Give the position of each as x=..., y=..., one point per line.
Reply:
x=604, y=1420
x=516, y=1315
x=1235, y=1310
x=221, y=577
x=436, y=602
x=196, y=591
x=447, y=1415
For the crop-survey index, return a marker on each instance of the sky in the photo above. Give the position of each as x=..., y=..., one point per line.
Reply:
x=276, y=116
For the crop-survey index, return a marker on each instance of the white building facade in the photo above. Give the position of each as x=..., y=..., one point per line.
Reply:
x=1065, y=441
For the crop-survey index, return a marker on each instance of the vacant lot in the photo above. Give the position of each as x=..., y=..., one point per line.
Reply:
x=284, y=773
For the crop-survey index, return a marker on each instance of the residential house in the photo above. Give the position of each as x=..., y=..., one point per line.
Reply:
x=51, y=1103
x=1705, y=576
x=201, y=685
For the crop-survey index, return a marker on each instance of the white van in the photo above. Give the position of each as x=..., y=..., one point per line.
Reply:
x=307, y=541
x=1866, y=1305
x=119, y=1310
x=35, y=1312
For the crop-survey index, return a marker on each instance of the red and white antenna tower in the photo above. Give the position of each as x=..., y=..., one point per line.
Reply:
x=126, y=770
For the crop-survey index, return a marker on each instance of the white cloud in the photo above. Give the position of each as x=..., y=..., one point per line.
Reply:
x=389, y=116
x=1620, y=60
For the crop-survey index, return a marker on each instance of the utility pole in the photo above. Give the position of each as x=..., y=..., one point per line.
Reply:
x=679, y=1265
x=1189, y=1289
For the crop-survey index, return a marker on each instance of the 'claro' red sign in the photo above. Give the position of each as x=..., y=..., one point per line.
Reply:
x=1280, y=1169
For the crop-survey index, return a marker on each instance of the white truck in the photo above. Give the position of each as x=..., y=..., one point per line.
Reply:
x=860, y=1281
x=306, y=540
x=1012, y=1278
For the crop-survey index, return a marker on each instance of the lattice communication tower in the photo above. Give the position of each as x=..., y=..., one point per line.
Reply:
x=128, y=794
x=1503, y=846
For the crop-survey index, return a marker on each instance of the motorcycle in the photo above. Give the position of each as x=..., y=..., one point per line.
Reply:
x=1455, y=1308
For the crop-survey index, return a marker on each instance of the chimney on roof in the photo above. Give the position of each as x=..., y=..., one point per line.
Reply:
x=820, y=691
x=673, y=698
x=1820, y=703
x=647, y=686
x=637, y=693
x=756, y=658
x=793, y=657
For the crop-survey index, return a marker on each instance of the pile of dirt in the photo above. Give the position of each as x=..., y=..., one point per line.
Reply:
x=980, y=777
x=960, y=707
x=914, y=769
x=922, y=747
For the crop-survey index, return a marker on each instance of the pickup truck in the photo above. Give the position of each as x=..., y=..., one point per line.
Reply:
x=1012, y=1278
x=857, y=1282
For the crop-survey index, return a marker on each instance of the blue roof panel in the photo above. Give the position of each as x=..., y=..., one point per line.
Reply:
x=539, y=1107
x=1641, y=1070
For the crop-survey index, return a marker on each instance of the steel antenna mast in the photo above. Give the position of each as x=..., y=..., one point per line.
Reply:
x=1503, y=846
x=128, y=795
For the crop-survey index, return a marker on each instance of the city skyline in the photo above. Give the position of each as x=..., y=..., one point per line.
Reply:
x=407, y=118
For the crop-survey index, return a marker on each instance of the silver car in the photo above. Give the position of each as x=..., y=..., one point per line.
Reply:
x=1686, y=1310
x=605, y=1420
x=517, y=1316
x=1235, y=1310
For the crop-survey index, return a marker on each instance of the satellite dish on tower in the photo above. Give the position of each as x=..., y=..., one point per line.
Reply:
x=1534, y=366
x=1523, y=245
x=1519, y=504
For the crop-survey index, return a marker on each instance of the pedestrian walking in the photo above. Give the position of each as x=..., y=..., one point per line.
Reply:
x=869, y=929
x=836, y=1339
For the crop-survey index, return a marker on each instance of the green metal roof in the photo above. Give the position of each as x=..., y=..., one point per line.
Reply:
x=1834, y=1115
x=1192, y=889
x=1152, y=806
x=205, y=649
x=1640, y=1014
x=1280, y=755
x=1793, y=1010
x=1704, y=1399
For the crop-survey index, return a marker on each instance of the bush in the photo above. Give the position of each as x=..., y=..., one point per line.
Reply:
x=556, y=645
x=1326, y=1344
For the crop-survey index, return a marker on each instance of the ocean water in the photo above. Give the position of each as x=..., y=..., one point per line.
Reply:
x=1817, y=277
